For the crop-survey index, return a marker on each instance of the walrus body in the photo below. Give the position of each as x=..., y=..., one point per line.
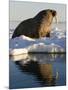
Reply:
x=37, y=27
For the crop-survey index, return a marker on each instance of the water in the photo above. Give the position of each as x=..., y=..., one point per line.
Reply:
x=37, y=70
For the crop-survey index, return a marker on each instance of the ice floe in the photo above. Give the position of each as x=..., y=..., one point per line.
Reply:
x=55, y=43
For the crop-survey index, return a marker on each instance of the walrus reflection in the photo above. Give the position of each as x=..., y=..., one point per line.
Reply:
x=46, y=72
x=43, y=72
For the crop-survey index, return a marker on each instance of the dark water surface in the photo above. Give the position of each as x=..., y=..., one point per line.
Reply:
x=37, y=70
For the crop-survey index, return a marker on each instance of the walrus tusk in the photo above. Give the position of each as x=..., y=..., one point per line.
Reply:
x=57, y=75
x=56, y=20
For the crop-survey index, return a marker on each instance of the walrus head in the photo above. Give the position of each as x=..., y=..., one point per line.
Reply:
x=46, y=18
x=53, y=12
x=47, y=14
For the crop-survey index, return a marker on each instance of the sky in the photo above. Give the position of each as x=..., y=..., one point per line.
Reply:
x=20, y=10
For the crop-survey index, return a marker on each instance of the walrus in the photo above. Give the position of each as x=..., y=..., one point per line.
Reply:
x=36, y=27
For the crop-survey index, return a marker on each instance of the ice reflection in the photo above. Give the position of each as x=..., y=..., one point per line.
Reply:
x=41, y=58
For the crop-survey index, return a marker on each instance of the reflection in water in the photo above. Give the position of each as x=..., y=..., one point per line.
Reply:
x=43, y=72
x=41, y=58
x=40, y=66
